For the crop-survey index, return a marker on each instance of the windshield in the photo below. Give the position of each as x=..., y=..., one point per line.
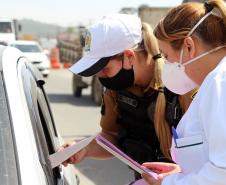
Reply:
x=31, y=48
x=8, y=169
x=5, y=27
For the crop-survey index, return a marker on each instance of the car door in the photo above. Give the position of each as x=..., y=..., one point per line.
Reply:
x=46, y=136
x=9, y=173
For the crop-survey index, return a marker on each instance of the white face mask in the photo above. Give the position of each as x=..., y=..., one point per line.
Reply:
x=173, y=74
x=175, y=78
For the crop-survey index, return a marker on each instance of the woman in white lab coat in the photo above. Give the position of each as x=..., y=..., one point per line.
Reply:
x=192, y=37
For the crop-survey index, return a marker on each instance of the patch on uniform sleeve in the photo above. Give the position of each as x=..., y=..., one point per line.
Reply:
x=102, y=111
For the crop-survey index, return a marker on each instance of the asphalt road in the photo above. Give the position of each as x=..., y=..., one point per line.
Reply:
x=77, y=118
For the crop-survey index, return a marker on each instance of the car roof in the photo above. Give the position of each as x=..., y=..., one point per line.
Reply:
x=24, y=42
x=1, y=51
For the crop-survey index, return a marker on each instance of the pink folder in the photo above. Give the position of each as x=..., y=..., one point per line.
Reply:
x=123, y=157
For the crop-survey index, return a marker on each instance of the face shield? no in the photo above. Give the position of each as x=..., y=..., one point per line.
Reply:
x=174, y=76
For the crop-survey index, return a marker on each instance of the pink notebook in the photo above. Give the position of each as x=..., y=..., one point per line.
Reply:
x=123, y=157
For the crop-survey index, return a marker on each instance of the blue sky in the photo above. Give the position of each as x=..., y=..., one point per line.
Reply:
x=71, y=12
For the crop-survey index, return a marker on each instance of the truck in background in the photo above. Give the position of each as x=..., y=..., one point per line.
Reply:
x=9, y=29
x=70, y=51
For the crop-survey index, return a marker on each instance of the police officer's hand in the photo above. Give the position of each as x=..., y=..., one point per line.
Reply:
x=76, y=158
x=162, y=168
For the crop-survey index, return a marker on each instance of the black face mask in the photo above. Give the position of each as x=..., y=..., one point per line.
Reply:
x=122, y=80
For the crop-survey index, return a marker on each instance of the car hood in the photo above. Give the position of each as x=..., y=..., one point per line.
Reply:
x=36, y=56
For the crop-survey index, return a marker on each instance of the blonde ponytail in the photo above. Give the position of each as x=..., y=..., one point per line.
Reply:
x=161, y=126
x=151, y=46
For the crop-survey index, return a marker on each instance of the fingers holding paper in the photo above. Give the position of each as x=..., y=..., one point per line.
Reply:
x=75, y=158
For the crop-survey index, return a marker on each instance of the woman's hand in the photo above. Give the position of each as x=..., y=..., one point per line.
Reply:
x=162, y=168
x=76, y=158
x=150, y=180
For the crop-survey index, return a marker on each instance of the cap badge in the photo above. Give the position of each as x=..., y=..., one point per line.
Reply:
x=87, y=41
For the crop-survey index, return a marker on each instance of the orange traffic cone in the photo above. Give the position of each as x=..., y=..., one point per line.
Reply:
x=54, y=58
x=67, y=64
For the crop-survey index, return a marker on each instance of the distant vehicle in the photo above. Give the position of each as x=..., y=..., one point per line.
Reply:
x=27, y=129
x=79, y=83
x=71, y=51
x=35, y=54
x=9, y=29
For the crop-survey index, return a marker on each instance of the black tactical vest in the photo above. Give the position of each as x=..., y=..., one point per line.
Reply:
x=137, y=136
x=173, y=111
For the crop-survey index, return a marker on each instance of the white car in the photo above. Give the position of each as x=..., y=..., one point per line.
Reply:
x=35, y=54
x=27, y=131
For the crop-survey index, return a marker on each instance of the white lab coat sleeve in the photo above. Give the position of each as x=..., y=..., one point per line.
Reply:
x=212, y=112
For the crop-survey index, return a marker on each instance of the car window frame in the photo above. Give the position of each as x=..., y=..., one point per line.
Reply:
x=30, y=84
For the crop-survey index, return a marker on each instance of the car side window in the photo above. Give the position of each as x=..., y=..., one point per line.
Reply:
x=43, y=114
x=41, y=122
x=47, y=119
